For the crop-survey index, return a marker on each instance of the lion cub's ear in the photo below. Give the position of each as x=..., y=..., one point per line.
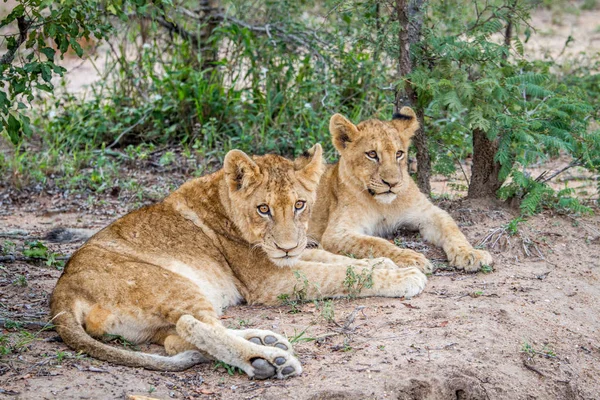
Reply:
x=240, y=171
x=342, y=131
x=310, y=166
x=405, y=122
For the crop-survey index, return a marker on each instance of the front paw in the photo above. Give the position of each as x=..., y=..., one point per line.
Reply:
x=278, y=365
x=468, y=258
x=410, y=258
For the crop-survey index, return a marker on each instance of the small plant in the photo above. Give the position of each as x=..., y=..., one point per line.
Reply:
x=327, y=310
x=61, y=355
x=399, y=242
x=151, y=389
x=546, y=351
x=527, y=349
x=487, y=269
x=477, y=293
x=300, y=292
x=10, y=324
x=20, y=281
x=231, y=370
x=8, y=247
x=299, y=337
x=38, y=250
x=167, y=159
x=301, y=288
x=512, y=228
x=244, y=323
x=287, y=301
x=356, y=282
x=120, y=340
x=4, y=345
x=381, y=347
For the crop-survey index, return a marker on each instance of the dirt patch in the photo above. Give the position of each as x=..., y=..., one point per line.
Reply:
x=529, y=329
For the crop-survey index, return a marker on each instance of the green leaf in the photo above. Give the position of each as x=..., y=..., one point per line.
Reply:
x=46, y=87
x=49, y=53
x=75, y=46
x=26, y=125
x=46, y=72
x=13, y=128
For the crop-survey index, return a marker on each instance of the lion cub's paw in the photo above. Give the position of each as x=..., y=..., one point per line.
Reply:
x=265, y=338
x=469, y=259
x=418, y=281
x=413, y=282
x=274, y=362
x=410, y=258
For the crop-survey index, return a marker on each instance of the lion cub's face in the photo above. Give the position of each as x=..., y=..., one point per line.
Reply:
x=272, y=200
x=374, y=153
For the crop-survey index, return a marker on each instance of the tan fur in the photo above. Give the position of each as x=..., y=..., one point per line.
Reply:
x=164, y=273
x=360, y=198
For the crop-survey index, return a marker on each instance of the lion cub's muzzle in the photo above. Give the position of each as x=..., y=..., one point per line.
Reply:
x=285, y=253
x=384, y=191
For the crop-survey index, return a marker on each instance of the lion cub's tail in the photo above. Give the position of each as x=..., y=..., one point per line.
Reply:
x=77, y=338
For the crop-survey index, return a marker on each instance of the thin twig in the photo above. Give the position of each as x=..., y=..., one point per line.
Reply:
x=457, y=160
x=532, y=368
x=12, y=258
x=572, y=164
x=16, y=234
x=28, y=324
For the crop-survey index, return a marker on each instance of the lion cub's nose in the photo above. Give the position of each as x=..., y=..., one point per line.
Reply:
x=390, y=183
x=286, y=247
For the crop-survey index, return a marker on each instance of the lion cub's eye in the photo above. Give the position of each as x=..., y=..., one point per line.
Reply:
x=399, y=154
x=299, y=205
x=372, y=155
x=263, y=209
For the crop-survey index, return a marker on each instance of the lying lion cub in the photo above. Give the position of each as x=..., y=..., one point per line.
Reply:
x=369, y=193
x=164, y=273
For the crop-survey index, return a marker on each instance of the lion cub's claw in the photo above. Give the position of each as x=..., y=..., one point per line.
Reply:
x=417, y=260
x=470, y=259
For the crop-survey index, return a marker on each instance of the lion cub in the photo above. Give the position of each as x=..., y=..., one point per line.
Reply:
x=369, y=193
x=164, y=273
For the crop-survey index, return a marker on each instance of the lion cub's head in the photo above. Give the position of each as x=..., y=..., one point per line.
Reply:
x=374, y=153
x=271, y=200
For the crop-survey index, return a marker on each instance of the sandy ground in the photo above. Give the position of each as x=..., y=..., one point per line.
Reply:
x=528, y=330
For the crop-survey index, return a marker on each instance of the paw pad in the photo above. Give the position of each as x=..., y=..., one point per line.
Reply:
x=270, y=339
x=280, y=360
x=287, y=370
x=262, y=368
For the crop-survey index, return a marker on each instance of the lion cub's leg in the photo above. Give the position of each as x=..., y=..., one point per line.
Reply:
x=257, y=361
x=439, y=228
x=174, y=344
x=263, y=337
x=323, y=256
x=320, y=280
x=364, y=246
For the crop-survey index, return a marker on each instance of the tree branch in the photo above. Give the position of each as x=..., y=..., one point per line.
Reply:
x=24, y=26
